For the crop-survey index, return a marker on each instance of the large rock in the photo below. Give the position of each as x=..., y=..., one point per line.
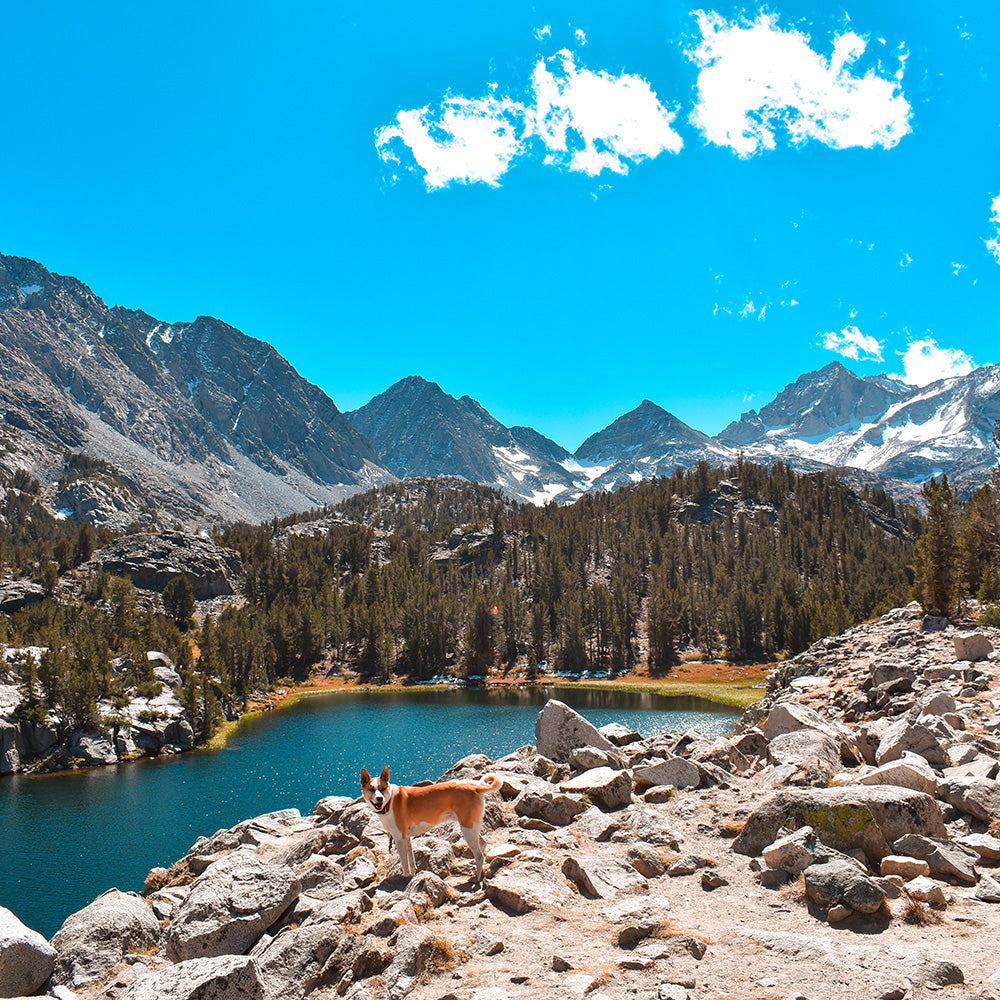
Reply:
x=152, y=561
x=39, y=736
x=972, y=647
x=807, y=750
x=603, y=786
x=792, y=853
x=603, y=878
x=554, y=808
x=290, y=964
x=527, y=886
x=559, y=731
x=979, y=797
x=674, y=771
x=910, y=771
x=842, y=881
x=904, y=736
x=92, y=746
x=26, y=958
x=94, y=939
x=791, y=717
x=230, y=906
x=228, y=977
x=866, y=817
x=947, y=860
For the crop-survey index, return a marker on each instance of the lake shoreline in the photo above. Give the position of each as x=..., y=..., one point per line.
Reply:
x=734, y=695
x=731, y=686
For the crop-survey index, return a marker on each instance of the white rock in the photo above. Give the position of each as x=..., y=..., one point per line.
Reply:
x=26, y=958
x=906, y=868
x=925, y=890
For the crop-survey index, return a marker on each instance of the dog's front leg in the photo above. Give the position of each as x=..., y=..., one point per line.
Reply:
x=401, y=845
x=410, y=865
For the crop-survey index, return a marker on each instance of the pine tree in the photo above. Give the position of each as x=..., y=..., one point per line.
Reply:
x=937, y=557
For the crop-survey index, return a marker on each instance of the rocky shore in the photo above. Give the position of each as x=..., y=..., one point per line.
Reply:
x=841, y=844
x=149, y=725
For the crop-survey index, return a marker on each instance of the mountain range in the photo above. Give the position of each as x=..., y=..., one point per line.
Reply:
x=199, y=422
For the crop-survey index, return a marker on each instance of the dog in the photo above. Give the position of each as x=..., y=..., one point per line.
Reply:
x=408, y=810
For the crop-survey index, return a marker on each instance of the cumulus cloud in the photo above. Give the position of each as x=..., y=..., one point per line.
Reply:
x=460, y=140
x=852, y=343
x=591, y=122
x=575, y=118
x=925, y=362
x=758, y=79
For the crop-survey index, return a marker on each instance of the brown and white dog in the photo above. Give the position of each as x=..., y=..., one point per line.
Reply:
x=408, y=810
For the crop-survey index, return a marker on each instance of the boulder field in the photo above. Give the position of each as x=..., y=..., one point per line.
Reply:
x=842, y=843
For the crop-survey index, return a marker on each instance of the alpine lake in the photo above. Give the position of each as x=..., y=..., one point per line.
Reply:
x=66, y=838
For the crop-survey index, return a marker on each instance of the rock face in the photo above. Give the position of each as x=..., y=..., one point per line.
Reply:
x=18, y=594
x=205, y=418
x=422, y=431
x=152, y=561
x=94, y=939
x=26, y=958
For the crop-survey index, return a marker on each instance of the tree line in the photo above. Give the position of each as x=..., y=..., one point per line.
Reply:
x=438, y=576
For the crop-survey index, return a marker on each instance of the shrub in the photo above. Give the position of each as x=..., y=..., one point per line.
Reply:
x=990, y=615
x=919, y=913
x=31, y=711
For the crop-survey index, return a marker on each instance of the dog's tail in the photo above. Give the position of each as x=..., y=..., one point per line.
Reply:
x=490, y=783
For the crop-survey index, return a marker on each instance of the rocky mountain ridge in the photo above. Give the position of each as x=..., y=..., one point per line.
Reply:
x=212, y=423
x=874, y=431
x=861, y=791
x=199, y=423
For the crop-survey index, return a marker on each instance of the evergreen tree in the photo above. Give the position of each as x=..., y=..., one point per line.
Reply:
x=178, y=600
x=937, y=557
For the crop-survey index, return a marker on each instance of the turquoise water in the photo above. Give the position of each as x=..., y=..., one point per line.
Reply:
x=66, y=838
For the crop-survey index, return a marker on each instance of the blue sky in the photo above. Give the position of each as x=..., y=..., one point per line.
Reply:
x=559, y=209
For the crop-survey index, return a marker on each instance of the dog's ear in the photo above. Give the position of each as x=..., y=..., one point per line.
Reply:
x=384, y=776
x=366, y=778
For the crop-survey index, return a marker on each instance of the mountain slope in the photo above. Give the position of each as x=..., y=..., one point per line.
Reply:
x=206, y=417
x=879, y=425
x=422, y=431
x=645, y=442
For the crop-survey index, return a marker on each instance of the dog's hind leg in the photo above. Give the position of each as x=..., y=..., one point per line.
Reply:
x=477, y=844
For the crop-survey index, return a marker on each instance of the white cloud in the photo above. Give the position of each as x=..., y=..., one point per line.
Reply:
x=461, y=140
x=758, y=78
x=925, y=362
x=618, y=119
x=994, y=244
x=580, y=120
x=852, y=343
x=580, y=36
x=545, y=31
x=906, y=260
